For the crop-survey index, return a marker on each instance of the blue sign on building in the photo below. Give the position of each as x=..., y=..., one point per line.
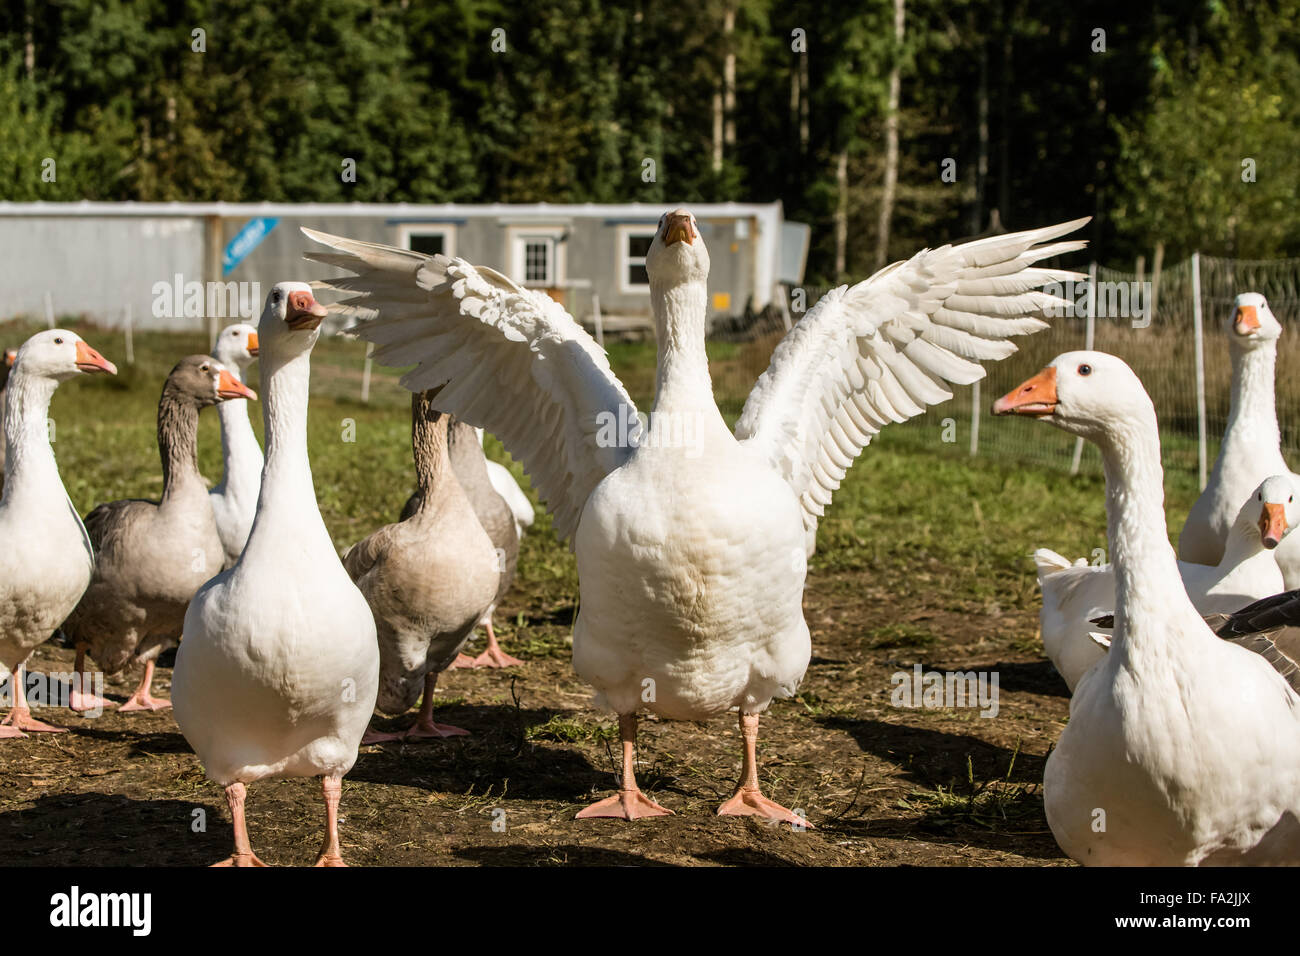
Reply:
x=246, y=240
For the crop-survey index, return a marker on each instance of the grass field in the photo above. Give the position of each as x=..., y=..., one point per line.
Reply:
x=923, y=558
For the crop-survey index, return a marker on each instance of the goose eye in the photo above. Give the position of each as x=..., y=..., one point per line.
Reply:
x=1085, y=369
x=58, y=341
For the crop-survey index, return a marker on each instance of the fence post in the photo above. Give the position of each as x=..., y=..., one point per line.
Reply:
x=130, y=343
x=365, y=373
x=1089, y=336
x=975, y=418
x=597, y=320
x=1156, y=268
x=1200, y=367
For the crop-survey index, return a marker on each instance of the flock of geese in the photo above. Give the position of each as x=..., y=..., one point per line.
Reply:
x=1182, y=745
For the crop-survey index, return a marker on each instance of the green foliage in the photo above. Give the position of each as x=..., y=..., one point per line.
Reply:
x=1217, y=106
x=1147, y=135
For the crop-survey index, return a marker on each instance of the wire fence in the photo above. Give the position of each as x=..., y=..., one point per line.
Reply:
x=1152, y=323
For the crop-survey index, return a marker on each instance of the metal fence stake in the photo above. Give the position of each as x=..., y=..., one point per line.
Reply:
x=1200, y=366
x=365, y=373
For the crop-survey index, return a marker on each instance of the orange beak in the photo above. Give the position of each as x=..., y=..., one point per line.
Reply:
x=1272, y=525
x=1246, y=320
x=88, y=360
x=252, y=343
x=11, y=356
x=230, y=387
x=679, y=228
x=1036, y=397
x=304, y=311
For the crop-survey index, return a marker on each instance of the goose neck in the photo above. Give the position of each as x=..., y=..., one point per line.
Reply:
x=1148, y=586
x=1243, y=543
x=178, y=443
x=286, y=475
x=1252, y=412
x=682, y=378
x=684, y=403
x=238, y=440
x=429, y=447
x=29, y=458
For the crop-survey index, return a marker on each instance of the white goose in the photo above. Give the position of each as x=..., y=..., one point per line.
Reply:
x=690, y=541
x=234, y=500
x=506, y=486
x=1181, y=748
x=1252, y=445
x=279, y=668
x=45, y=556
x=1073, y=594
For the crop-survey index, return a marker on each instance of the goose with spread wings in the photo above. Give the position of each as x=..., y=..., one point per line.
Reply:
x=689, y=539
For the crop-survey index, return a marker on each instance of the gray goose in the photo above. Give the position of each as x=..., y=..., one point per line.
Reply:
x=429, y=579
x=153, y=555
x=465, y=449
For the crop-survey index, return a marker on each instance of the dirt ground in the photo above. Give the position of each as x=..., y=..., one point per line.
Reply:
x=881, y=785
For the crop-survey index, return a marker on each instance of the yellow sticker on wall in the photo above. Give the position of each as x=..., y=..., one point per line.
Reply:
x=721, y=301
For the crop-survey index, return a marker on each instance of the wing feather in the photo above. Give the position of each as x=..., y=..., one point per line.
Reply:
x=889, y=347
x=503, y=357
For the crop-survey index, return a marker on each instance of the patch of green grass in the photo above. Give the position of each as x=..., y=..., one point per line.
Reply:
x=995, y=804
x=900, y=635
x=570, y=730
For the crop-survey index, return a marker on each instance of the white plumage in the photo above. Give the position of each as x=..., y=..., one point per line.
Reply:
x=509, y=489
x=1182, y=748
x=1252, y=444
x=690, y=540
x=234, y=500
x=279, y=669
x=1074, y=594
x=46, y=558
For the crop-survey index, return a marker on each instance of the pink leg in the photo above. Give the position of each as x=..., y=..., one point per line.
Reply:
x=20, y=717
x=372, y=736
x=141, y=699
x=81, y=700
x=461, y=663
x=243, y=855
x=424, y=725
x=629, y=803
x=493, y=656
x=747, y=800
x=332, y=788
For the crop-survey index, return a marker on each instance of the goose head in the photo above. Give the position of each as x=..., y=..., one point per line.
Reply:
x=59, y=355
x=1273, y=509
x=237, y=347
x=1252, y=324
x=290, y=323
x=201, y=380
x=677, y=254
x=1089, y=394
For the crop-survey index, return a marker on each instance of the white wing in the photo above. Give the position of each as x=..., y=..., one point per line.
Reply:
x=507, y=359
x=883, y=350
